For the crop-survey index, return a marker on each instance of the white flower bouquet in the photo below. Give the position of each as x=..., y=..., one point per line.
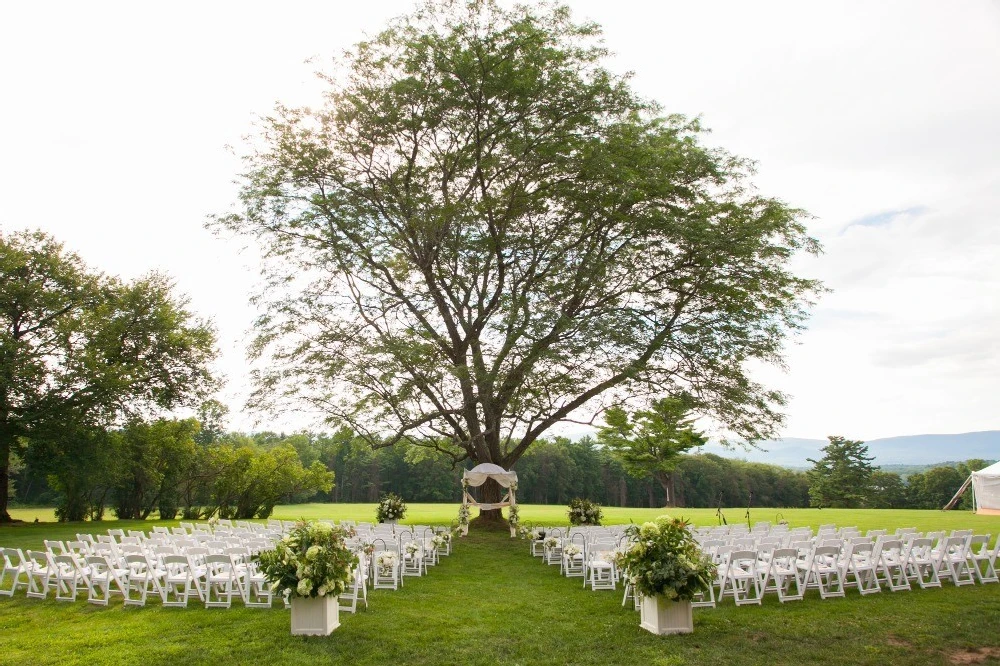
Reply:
x=584, y=512
x=390, y=507
x=311, y=561
x=412, y=548
x=552, y=542
x=572, y=550
x=386, y=562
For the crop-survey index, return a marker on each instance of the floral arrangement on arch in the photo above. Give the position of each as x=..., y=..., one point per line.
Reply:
x=390, y=507
x=514, y=516
x=665, y=560
x=463, y=515
x=584, y=512
x=310, y=561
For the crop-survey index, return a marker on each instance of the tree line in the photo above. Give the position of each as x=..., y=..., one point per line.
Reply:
x=195, y=470
x=845, y=477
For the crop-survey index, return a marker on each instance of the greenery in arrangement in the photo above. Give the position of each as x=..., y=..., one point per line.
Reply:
x=584, y=512
x=310, y=561
x=665, y=560
x=390, y=507
x=543, y=239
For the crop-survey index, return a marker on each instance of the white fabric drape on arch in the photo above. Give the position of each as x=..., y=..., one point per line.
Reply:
x=477, y=476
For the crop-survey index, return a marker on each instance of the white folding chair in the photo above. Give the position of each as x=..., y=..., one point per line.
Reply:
x=412, y=557
x=40, y=570
x=893, y=563
x=600, y=569
x=70, y=577
x=257, y=591
x=822, y=570
x=106, y=578
x=781, y=574
x=177, y=581
x=981, y=560
x=922, y=563
x=140, y=577
x=14, y=566
x=222, y=582
x=743, y=578
x=860, y=568
x=953, y=561
x=385, y=569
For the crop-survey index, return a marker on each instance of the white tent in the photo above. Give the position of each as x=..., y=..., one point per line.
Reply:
x=986, y=489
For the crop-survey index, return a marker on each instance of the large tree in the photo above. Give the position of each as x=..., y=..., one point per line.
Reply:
x=482, y=232
x=79, y=348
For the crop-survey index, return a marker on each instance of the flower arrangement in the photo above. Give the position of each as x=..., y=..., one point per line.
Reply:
x=523, y=531
x=552, y=542
x=572, y=550
x=445, y=535
x=584, y=512
x=412, y=548
x=386, y=562
x=311, y=561
x=463, y=515
x=537, y=534
x=664, y=559
x=390, y=507
x=438, y=541
x=514, y=516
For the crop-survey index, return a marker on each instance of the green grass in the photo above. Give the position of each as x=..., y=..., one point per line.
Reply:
x=490, y=602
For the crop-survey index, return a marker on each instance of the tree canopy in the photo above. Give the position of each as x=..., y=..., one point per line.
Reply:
x=650, y=442
x=482, y=232
x=79, y=348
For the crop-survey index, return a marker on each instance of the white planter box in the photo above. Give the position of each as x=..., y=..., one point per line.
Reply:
x=663, y=616
x=315, y=617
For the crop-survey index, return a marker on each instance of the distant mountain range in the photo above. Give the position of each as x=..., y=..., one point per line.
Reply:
x=906, y=450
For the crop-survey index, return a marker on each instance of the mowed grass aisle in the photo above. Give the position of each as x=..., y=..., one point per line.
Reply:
x=491, y=602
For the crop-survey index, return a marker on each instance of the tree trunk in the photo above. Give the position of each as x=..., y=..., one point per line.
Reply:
x=4, y=477
x=666, y=481
x=492, y=492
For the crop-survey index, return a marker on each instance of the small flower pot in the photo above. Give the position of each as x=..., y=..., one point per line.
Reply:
x=315, y=616
x=660, y=615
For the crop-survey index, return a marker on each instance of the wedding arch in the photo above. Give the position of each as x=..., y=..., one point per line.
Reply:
x=478, y=475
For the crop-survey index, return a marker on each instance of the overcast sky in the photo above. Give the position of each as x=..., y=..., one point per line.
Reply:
x=881, y=119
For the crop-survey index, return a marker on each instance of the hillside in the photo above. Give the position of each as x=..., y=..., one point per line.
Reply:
x=906, y=450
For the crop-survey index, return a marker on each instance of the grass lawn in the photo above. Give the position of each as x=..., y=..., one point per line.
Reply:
x=490, y=602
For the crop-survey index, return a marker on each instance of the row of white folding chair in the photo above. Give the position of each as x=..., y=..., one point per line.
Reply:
x=217, y=579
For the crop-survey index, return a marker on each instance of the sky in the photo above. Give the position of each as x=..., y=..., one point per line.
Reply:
x=120, y=126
